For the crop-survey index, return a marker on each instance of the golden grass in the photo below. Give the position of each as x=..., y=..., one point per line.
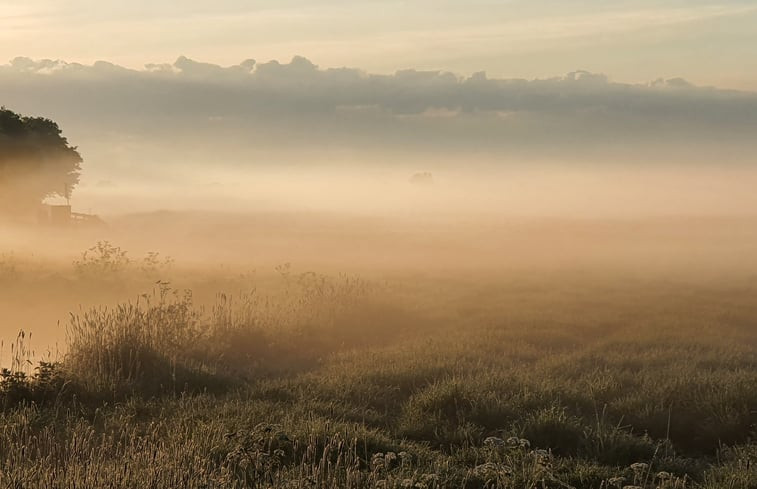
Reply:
x=503, y=381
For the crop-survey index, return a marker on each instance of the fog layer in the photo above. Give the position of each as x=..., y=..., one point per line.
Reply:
x=272, y=136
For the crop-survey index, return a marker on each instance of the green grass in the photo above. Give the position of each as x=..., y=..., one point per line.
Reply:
x=511, y=382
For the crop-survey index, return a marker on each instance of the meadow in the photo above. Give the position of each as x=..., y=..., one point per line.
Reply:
x=525, y=377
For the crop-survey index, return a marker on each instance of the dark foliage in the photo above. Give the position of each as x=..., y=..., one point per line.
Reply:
x=36, y=161
x=47, y=385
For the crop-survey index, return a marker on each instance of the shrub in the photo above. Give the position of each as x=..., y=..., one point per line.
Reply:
x=46, y=385
x=103, y=260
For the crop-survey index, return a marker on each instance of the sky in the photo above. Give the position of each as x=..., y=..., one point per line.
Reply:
x=634, y=103
x=707, y=42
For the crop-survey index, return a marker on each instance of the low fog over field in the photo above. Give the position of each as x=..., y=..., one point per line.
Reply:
x=265, y=163
x=294, y=136
x=543, y=282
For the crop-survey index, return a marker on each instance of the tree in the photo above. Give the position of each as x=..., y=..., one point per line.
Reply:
x=36, y=162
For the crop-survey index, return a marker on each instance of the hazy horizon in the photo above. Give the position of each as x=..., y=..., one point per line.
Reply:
x=269, y=136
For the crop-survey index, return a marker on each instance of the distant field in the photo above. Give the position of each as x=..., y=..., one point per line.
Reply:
x=593, y=378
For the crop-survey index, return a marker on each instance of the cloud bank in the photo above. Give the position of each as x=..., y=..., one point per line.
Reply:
x=298, y=104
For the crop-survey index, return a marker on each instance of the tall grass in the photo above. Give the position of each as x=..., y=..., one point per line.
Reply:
x=140, y=345
x=163, y=342
x=333, y=382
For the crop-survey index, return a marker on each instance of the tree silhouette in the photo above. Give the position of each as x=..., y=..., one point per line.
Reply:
x=36, y=162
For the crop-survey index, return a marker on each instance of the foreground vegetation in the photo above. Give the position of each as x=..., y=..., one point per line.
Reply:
x=321, y=382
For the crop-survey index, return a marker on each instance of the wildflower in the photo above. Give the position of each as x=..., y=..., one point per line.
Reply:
x=491, y=470
x=665, y=476
x=617, y=481
x=494, y=441
x=407, y=483
x=390, y=456
x=377, y=461
x=639, y=467
x=543, y=458
x=485, y=469
x=513, y=441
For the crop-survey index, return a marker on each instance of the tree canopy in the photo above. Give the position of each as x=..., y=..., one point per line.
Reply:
x=36, y=161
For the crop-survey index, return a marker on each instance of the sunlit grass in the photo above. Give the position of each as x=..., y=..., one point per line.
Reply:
x=332, y=381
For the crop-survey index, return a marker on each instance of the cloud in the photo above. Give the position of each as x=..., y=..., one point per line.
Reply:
x=271, y=102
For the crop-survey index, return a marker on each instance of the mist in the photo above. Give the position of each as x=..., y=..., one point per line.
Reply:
x=267, y=136
x=513, y=282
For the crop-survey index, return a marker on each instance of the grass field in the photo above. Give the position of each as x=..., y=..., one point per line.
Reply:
x=585, y=380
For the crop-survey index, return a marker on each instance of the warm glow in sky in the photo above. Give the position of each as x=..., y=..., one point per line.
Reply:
x=708, y=42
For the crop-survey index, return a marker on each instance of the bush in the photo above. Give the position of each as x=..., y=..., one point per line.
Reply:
x=103, y=260
x=47, y=385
